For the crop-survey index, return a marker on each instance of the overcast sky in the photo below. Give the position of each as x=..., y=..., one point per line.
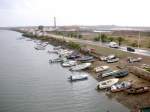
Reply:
x=75, y=12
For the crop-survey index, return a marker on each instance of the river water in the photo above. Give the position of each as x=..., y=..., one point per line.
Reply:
x=28, y=83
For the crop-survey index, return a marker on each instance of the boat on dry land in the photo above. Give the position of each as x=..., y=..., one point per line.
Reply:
x=74, y=55
x=81, y=66
x=109, y=73
x=101, y=68
x=60, y=59
x=132, y=60
x=113, y=60
x=138, y=90
x=86, y=58
x=103, y=58
x=107, y=83
x=39, y=47
x=57, y=47
x=69, y=63
x=78, y=77
x=120, y=73
x=120, y=86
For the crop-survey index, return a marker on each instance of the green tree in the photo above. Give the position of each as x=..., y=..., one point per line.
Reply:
x=120, y=40
x=80, y=36
x=111, y=39
x=104, y=38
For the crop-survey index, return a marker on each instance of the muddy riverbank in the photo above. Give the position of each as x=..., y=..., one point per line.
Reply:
x=129, y=101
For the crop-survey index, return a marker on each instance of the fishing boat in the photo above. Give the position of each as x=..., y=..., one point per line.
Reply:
x=74, y=55
x=111, y=56
x=101, y=68
x=121, y=73
x=69, y=63
x=138, y=90
x=112, y=60
x=103, y=58
x=121, y=86
x=39, y=47
x=80, y=66
x=57, y=47
x=132, y=60
x=107, y=83
x=78, y=77
x=109, y=73
x=55, y=52
x=61, y=59
x=85, y=58
x=65, y=52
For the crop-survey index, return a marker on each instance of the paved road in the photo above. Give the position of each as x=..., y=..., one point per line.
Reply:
x=122, y=48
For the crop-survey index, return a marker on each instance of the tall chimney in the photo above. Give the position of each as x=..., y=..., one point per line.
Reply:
x=54, y=22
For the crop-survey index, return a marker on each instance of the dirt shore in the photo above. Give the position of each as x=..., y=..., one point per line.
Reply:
x=129, y=101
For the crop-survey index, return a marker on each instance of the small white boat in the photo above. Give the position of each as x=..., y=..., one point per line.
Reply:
x=80, y=66
x=112, y=56
x=65, y=52
x=103, y=58
x=101, y=68
x=113, y=60
x=132, y=60
x=69, y=63
x=121, y=86
x=107, y=83
x=78, y=77
x=109, y=73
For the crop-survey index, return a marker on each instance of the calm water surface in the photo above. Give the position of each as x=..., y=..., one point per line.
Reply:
x=28, y=83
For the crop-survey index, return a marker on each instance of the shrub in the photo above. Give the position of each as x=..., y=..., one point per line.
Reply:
x=134, y=44
x=74, y=45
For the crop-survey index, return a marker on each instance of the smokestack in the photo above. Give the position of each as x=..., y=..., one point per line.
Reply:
x=54, y=22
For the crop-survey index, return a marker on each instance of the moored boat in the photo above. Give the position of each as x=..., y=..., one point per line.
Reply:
x=39, y=47
x=85, y=58
x=73, y=56
x=57, y=47
x=103, y=58
x=132, y=60
x=120, y=86
x=80, y=66
x=120, y=73
x=109, y=73
x=69, y=63
x=101, y=68
x=61, y=59
x=107, y=83
x=78, y=77
x=138, y=90
x=112, y=60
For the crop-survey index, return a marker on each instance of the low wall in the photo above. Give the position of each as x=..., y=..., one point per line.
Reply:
x=139, y=72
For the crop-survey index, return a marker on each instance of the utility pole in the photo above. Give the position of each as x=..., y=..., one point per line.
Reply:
x=139, y=39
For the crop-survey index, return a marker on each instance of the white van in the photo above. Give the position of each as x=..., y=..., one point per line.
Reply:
x=113, y=45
